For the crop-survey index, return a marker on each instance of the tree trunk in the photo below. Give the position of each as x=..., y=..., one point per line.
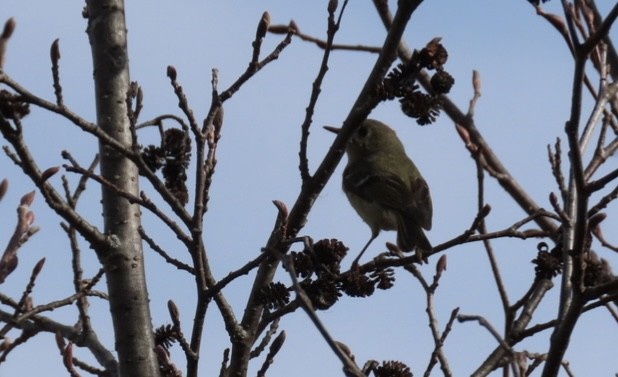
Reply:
x=123, y=263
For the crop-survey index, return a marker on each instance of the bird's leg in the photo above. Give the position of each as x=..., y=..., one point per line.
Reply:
x=420, y=255
x=373, y=237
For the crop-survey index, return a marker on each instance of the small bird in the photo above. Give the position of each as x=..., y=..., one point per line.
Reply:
x=385, y=187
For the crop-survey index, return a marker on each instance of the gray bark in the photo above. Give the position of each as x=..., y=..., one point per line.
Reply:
x=123, y=262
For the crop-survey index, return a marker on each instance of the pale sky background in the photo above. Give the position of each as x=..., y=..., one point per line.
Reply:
x=526, y=73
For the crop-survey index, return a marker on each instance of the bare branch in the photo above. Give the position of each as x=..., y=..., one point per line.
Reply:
x=183, y=102
x=274, y=349
x=156, y=248
x=292, y=26
x=253, y=69
x=305, y=303
x=438, y=338
x=333, y=27
x=272, y=330
x=90, y=341
x=142, y=200
x=487, y=325
x=244, y=270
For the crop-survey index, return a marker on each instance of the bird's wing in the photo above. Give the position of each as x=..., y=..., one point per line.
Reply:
x=419, y=205
x=413, y=200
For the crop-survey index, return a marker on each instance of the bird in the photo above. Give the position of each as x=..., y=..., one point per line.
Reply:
x=386, y=188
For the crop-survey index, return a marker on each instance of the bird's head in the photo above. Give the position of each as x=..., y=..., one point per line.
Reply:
x=371, y=137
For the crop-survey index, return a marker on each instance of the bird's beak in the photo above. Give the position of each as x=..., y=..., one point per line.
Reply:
x=332, y=129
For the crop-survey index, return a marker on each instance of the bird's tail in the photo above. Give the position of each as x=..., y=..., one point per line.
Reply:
x=410, y=235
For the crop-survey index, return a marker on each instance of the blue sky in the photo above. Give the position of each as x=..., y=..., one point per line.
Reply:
x=526, y=73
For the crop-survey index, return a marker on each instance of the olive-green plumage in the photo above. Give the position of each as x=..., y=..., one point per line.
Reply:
x=385, y=187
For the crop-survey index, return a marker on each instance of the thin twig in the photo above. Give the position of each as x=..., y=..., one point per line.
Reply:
x=272, y=330
x=253, y=69
x=272, y=352
x=157, y=249
x=39, y=323
x=156, y=121
x=482, y=228
x=438, y=338
x=231, y=276
x=316, y=89
x=183, y=102
x=25, y=302
x=305, y=303
x=281, y=29
x=142, y=200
